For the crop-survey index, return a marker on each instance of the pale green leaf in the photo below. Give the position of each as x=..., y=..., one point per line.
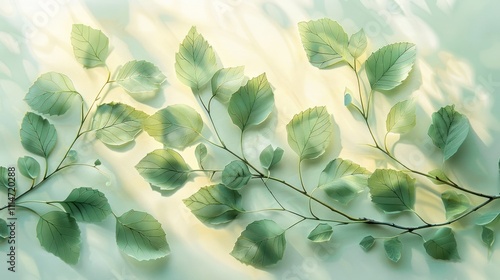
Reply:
x=261, y=244
x=140, y=78
x=455, y=204
x=215, y=204
x=347, y=99
x=177, y=126
x=389, y=66
x=59, y=234
x=442, y=245
x=200, y=153
x=487, y=218
x=357, y=43
x=164, y=169
x=252, y=103
x=393, y=248
x=392, y=191
x=321, y=233
x=402, y=117
x=448, y=130
x=52, y=93
x=4, y=181
x=325, y=43
x=87, y=205
x=139, y=235
x=310, y=132
x=236, y=175
x=29, y=167
x=4, y=230
x=367, y=243
x=342, y=180
x=38, y=135
x=195, y=63
x=117, y=124
x=488, y=236
x=439, y=174
x=269, y=157
x=90, y=46
x=227, y=81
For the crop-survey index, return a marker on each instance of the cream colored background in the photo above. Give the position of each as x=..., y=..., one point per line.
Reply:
x=458, y=63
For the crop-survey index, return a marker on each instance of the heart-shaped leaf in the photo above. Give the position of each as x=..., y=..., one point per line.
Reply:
x=90, y=46
x=442, y=245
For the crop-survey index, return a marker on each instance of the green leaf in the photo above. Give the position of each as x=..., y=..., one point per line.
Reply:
x=59, y=234
x=388, y=67
x=52, y=93
x=29, y=167
x=4, y=181
x=325, y=43
x=442, y=245
x=38, y=135
x=310, y=132
x=402, y=117
x=357, y=43
x=87, y=205
x=321, y=233
x=448, y=130
x=4, y=230
x=195, y=63
x=455, y=204
x=367, y=243
x=393, y=248
x=215, y=204
x=176, y=126
x=90, y=46
x=236, y=175
x=269, y=157
x=164, y=169
x=139, y=235
x=252, y=103
x=487, y=218
x=200, y=153
x=97, y=162
x=392, y=191
x=117, y=124
x=438, y=173
x=347, y=99
x=261, y=244
x=140, y=78
x=227, y=81
x=488, y=236
x=342, y=180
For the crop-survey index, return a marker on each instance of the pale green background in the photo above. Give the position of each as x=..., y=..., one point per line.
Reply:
x=458, y=63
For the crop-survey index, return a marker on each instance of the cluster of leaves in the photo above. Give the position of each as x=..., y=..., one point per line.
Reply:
x=138, y=234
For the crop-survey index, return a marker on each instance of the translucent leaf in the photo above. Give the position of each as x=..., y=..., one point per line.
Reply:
x=164, y=169
x=252, y=103
x=393, y=248
x=448, y=130
x=402, y=117
x=139, y=235
x=227, y=81
x=325, y=43
x=347, y=99
x=321, y=233
x=59, y=234
x=72, y=156
x=438, y=173
x=442, y=245
x=38, y=135
x=195, y=63
x=392, y=191
x=215, y=204
x=87, y=205
x=455, y=204
x=310, y=132
x=367, y=243
x=270, y=157
x=117, y=124
x=4, y=177
x=29, y=167
x=140, y=78
x=236, y=175
x=487, y=218
x=261, y=244
x=176, y=126
x=357, y=43
x=4, y=230
x=342, y=180
x=488, y=236
x=389, y=66
x=90, y=46
x=52, y=93
x=200, y=153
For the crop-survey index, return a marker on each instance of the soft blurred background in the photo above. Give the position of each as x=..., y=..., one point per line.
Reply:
x=458, y=63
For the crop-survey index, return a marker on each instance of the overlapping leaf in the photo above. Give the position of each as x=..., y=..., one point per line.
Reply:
x=29, y=167
x=227, y=81
x=38, y=135
x=392, y=191
x=86, y=204
x=90, y=46
x=270, y=157
x=140, y=78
